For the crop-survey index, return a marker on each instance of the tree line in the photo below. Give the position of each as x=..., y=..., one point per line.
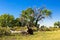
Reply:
x=29, y=17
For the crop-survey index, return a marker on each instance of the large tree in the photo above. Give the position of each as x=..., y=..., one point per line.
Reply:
x=33, y=16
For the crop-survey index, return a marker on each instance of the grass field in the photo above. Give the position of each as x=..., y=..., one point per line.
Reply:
x=41, y=35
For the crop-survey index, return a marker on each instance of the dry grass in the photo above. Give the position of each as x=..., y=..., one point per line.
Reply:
x=45, y=35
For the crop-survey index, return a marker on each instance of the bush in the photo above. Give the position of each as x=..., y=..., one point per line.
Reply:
x=4, y=31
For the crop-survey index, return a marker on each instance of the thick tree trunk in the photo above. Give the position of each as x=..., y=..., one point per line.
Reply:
x=30, y=31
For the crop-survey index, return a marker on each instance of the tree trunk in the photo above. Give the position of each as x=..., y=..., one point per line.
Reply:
x=30, y=31
x=37, y=25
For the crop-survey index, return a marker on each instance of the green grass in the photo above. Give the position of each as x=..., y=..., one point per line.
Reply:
x=41, y=35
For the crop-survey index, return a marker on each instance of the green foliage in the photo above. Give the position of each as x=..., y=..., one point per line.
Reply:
x=9, y=20
x=16, y=22
x=28, y=16
x=6, y=19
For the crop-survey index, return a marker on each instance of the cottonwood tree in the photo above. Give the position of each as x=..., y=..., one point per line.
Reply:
x=33, y=16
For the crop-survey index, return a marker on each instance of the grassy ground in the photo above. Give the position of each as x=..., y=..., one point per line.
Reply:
x=45, y=35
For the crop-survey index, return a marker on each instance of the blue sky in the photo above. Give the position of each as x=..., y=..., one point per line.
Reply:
x=14, y=7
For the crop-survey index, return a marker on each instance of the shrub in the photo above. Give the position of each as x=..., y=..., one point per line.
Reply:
x=4, y=31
